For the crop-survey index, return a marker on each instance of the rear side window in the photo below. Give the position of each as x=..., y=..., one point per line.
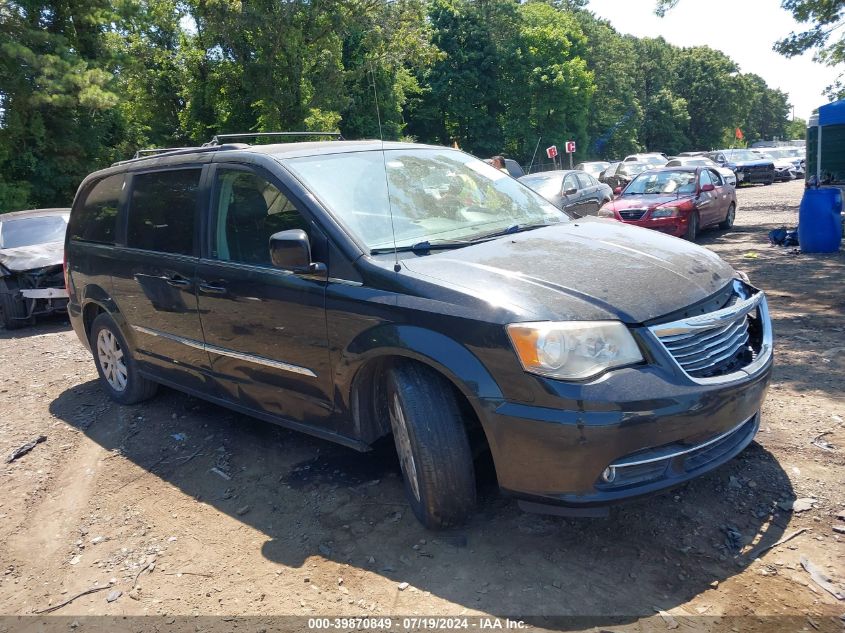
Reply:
x=585, y=180
x=94, y=220
x=163, y=210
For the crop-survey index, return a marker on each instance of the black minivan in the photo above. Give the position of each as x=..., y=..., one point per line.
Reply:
x=358, y=289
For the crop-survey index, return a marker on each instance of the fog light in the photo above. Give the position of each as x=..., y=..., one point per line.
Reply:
x=609, y=474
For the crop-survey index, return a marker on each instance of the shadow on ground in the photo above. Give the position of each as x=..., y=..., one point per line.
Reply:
x=314, y=499
x=44, y=325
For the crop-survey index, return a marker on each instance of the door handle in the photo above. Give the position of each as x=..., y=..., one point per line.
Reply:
x=212, y=290
x=177, y=282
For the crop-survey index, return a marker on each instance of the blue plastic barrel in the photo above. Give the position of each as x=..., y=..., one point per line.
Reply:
x=819, y=220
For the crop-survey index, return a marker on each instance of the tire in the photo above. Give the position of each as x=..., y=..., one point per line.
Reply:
x=12, y=307
x=432, y=445
x=728, y=222
x=120, y=377
x=692, y=227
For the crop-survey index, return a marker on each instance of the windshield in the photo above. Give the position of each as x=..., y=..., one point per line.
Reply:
x=435, y=195
x=691, y=161
x=660, y=182
x=653, y=159
x=741, y=154
x=31, y=231
x=632, y=169
x=594, y=169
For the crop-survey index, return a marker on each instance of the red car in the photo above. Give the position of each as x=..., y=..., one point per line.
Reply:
x=679, y=201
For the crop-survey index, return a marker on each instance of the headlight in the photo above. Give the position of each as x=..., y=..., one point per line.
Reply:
x=604, y=212
x=665, y=212
x=573, y=350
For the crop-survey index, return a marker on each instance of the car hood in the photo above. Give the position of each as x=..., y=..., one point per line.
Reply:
x=645, y=202
x=783, y=163
x=591, y=269
x=31, y=257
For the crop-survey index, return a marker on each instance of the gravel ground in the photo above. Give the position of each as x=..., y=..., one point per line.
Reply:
x=188, y=509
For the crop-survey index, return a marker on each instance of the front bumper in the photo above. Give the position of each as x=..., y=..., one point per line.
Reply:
x=632, y=432
x=676, y=226
x=754, y=175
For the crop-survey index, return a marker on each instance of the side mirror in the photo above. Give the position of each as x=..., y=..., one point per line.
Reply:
x=570, y=192
x=708, y=187
x=291, y=250
x=617, y=191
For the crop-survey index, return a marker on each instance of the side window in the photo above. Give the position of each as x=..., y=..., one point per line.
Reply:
x=249, y=209
x=94, y=219
x=570, y=182
x=704, y=178
x=584, y=181
x=163, y=211
x=715, y=177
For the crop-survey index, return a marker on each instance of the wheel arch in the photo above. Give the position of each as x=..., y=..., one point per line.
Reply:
x=96, y=301
x=367, y=357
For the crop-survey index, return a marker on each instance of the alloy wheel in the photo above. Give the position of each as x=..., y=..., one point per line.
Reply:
x=403, y=444
x=110, y=355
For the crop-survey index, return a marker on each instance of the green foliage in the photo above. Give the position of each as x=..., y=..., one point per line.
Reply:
x=795, y=129
x=86, y=82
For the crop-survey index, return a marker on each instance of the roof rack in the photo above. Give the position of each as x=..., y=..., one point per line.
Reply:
x=158, y=150
x=176, y=151
x=219, y=137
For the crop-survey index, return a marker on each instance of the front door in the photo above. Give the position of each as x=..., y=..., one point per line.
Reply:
x=572, y=202
x=265, y=328
x=153, y=274
x=708, y=203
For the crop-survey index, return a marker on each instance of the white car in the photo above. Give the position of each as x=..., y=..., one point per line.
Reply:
x=727, y=175
x=652, y=158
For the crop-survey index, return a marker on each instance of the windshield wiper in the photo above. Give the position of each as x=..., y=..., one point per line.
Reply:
x=421, y=247
x=513, y=228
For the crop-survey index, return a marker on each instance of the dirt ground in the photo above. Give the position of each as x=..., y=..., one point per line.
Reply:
x=207, y=512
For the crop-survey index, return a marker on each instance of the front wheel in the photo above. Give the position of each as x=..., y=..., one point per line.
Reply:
x=117, y=368
x=728, y=222
x=692, y=227
x=432, y=445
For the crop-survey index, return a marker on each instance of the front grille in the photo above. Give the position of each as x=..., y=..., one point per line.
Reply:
x=702, y=353
x=721, y=342
x=632, y=214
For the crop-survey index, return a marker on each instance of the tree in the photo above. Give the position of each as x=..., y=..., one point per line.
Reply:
x=463, y=101
x=615, y=113
x=764, y=110
x=708, y=80
x=797, y=128
x=551, y=86
x=382, y=49
x=665, y=116
x=56, y=95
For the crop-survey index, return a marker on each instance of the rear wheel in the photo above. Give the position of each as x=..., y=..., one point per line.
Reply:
x=728, y=222
x=13, y=308
x=692, y=227
x=432, y=445
x=118, y=370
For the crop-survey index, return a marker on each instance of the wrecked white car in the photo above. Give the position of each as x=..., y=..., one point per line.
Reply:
x=31, y=259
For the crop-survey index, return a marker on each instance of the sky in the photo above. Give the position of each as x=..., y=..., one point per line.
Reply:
x=745, y=30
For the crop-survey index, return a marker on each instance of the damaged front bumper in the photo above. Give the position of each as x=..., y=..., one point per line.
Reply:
x=38, y=292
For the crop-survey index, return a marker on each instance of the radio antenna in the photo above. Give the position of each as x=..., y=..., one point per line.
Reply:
x=396, y=266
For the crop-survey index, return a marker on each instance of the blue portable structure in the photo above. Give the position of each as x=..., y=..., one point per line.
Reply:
x=826, y=144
